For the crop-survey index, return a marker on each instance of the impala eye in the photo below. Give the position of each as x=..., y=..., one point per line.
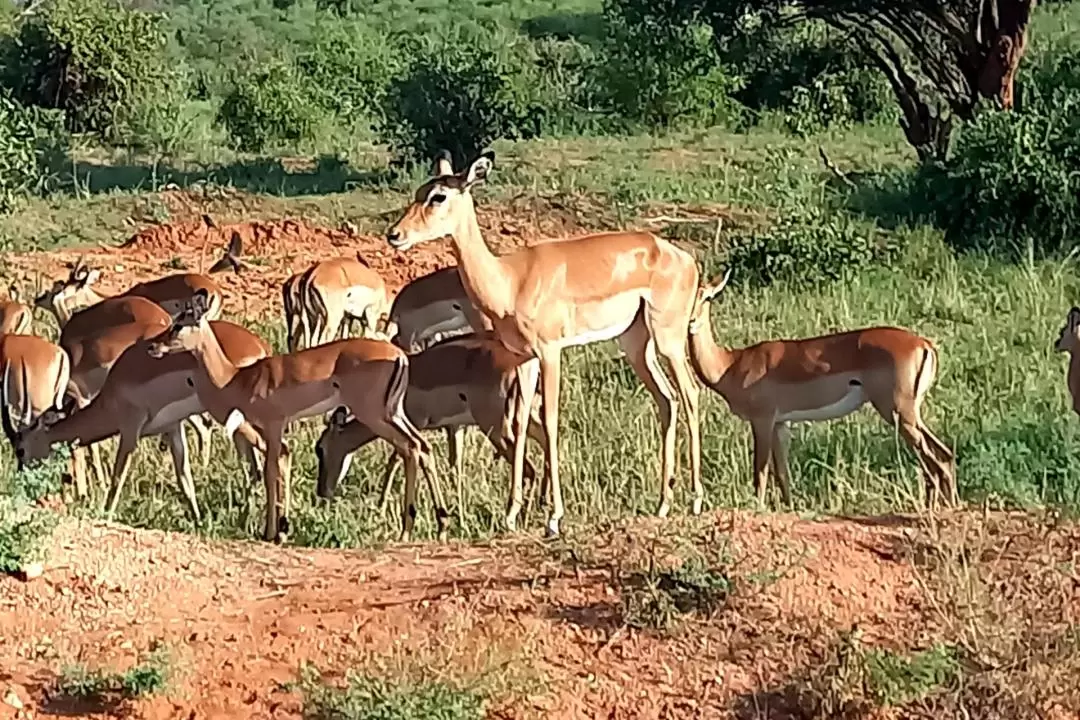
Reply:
x=437, y=199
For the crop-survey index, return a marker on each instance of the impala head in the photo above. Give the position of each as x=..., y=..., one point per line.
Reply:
x=333, y=454
x=1069, y=338
x=439, y=203
x=75, y=290
x=186, y=329
x=30, y=444
x=705, y=295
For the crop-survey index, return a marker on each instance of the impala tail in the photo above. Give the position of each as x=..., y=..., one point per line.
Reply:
x=10, y=432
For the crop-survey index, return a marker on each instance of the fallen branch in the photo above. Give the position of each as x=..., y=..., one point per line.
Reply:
x=835, y=170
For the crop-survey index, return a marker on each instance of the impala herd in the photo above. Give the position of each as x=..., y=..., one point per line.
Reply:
x=467, y=345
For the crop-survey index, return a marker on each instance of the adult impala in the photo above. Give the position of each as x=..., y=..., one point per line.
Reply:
x=369, y=377
x=628, y=285
x=461, y=382
x=338, y=291
x=15, y=317
x=430, y=309
x=143, y=396
x=778, y=382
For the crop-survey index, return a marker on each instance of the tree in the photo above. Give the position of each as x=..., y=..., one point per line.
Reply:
x=939, y=56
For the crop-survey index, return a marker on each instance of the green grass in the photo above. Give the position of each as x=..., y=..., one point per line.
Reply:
x=149, y=677
x=369, y=698
x=1000, y=399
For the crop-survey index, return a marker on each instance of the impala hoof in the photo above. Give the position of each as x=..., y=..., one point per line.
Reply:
x=552, y=530
x=664, y=510
x=698, y=502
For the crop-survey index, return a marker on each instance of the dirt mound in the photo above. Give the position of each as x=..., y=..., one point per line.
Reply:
x=274, y=249
x=241, y=618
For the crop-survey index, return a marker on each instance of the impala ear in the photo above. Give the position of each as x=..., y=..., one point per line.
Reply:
x=443, y=164
x=197, y=307
x=479, y=169
x=715, y=286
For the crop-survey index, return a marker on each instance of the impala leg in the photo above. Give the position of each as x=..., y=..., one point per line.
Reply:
x=203, y=430
x=246, y=451
x=178, y=450
x=689, y=398
x=550, y=367
x=392, y=464
x=274, y=437
x=455, y=438
x=79, y=471
x=641, y=354
x=763, y=434
x=128, y=441
x=528, y=375
x=781, y=442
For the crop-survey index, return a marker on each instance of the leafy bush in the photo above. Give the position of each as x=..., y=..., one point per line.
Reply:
x=149, y=677
x=368, y=698
x=25, y=527
x=462, y=95
x=31, y=143
x=807, y=245
x=270, y=103
x=1011, y=183
x=93, y=59
x=348, y=66
x=659, y=66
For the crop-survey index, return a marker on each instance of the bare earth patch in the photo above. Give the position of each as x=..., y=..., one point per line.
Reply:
x=241, y=618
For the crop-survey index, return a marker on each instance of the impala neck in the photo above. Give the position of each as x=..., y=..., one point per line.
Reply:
x=89, y=425
x=217, y=365
x=711, y=362
x=485, y=276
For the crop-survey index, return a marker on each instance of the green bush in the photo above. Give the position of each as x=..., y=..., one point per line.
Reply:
x=270, y=103
x=807, y=245
x=371, y=698
x=462, y=95
x=31, y=144
x=25, y=527
x=1011, y=184
x=659, y=67
x=93, y=59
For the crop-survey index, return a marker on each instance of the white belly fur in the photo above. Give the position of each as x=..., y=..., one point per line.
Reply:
x=852, y=401
x=173, y=413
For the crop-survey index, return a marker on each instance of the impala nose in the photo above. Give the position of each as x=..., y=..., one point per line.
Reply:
x=393, y=236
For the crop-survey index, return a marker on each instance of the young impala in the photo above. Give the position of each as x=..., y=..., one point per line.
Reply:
x=369, y=377
x=339, y=291
x=461, y=382
x=628, y=285
x=778, y=382
x=15, y=317
x=143, y=396
x=1069, y=341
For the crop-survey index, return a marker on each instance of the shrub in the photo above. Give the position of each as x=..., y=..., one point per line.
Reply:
x=269, y=103
x=807, y=245
x=462, y=95
x=348, y=66
x=93, y=59
x=659, y=67
x=370, y=698
x=1011, y=182
x=31, y=143
x=25, y=527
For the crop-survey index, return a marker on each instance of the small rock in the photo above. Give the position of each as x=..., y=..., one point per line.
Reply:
x=31, y=571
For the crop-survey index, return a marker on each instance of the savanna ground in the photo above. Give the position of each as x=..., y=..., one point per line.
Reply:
x=851, y=604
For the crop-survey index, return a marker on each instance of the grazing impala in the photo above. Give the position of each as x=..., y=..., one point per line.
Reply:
x=628, y=285
x=336, y=292
x=460, y=382
x=369, y=377
x=143, y=396
x=777, y=382
x=1069, y=341
x=15, y=317
x=433, y=308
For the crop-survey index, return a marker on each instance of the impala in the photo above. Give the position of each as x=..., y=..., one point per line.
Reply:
x=296, y=318
x=454, y=384
x=143, y=396
x=777, y=382
x=1069, y=341
x=336, y=292
x=628, y=285
x=432, y=308
x=15, y=317
x=369, y=377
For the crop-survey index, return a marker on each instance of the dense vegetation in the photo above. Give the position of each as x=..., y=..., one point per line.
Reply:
x=605, y=106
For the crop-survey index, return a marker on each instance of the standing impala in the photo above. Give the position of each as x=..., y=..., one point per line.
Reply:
x=369, y=377
x=296, y=318
x=628, y=285
x=778, y=382
x=15, y=317
x=144, y=396
x=336, y=292
x=463, y=381
x=1069, y=341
